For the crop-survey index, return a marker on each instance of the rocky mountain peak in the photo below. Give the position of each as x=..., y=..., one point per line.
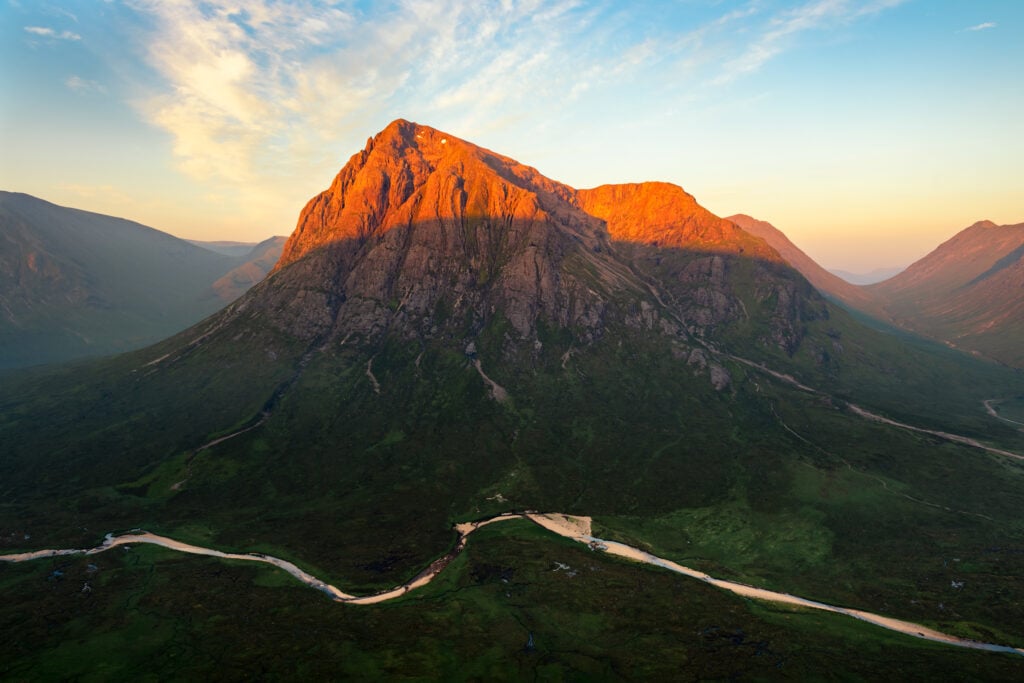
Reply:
x=410, y=174
x=421, y=233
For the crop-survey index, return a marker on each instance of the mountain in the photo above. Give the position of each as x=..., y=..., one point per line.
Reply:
x=256, y=262
x=968, y=292
x=226, y=247
x=826, y=282
x=75, y=283
x=449, y=335
x=421, y=229
x=868, y=278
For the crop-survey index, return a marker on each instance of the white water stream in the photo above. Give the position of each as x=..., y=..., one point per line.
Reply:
x=568, y=526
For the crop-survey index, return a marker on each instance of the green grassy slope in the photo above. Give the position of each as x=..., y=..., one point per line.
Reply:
x=760, y=481
x=151, y=613
x=751, y=478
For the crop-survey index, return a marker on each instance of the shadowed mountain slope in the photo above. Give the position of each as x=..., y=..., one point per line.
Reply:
x=826, y=283
x=75, y=283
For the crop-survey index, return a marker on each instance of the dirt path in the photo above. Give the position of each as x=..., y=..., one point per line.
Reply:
x=497, y=391
x=264, y=416
x=373, y=378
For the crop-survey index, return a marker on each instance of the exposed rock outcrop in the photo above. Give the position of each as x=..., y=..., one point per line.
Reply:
x=422, y=234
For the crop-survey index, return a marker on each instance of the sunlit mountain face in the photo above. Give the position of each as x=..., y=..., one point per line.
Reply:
x=450, y=337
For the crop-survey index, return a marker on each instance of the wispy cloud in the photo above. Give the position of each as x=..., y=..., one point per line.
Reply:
x=233, y=77
x=255, y=94
x=779, y=33
x=83, y=86
x=60, y=12
x=982, y=27
x=47, y=32
x=244, y=89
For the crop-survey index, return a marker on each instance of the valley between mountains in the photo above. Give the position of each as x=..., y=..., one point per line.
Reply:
x=449, y=335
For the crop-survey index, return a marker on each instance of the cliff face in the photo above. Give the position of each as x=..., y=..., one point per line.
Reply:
x=420, y=224
x=414, y=175
x=664, y=215
x=423, y=234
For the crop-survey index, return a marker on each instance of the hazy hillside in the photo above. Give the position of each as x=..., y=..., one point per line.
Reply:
x=868, y=278
x=226, y=247
x=75, y=283
x=257, y=261
x=968, y=292
x=826, y=283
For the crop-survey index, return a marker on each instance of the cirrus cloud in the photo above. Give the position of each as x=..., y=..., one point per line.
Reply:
x=254, y=94
x=47, y=32
x=83, y=85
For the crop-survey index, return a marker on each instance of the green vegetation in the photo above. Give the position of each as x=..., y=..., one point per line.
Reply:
x=757, y=480
x=760, y=482
x=1011, y=409
x=154, y=614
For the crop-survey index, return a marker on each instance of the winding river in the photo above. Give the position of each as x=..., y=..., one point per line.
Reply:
x=568, y=526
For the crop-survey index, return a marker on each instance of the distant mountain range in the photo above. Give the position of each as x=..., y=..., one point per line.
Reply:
x=75, y=283
x=967, y=293
x=825, y=282
x=868, y=278
x=228, y=247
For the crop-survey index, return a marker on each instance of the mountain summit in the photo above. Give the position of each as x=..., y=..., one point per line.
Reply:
x=411, y=174
x=421, y=231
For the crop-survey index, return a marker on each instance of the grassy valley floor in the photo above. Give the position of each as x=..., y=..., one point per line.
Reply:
x=151, y=614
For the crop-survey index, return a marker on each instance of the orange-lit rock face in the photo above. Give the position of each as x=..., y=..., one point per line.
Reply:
x=662, y=214
x=411, y=174
x=419, y=216
x=420, y=226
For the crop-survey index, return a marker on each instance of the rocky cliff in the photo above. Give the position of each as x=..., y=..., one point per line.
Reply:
x=423, y=234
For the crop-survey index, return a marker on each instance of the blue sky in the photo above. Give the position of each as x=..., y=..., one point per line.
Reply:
x=867, y=130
